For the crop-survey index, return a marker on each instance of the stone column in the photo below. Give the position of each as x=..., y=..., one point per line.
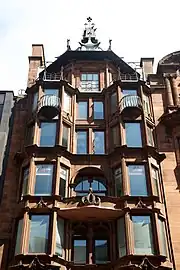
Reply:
x=174, y=90
x=168, y=90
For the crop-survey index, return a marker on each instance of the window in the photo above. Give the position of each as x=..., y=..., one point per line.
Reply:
x=98, y=143
x=143, y=239
x=121, y=237
x=18, y=237
x=115, y=134
x=51, y=92
x=79, y=251
x=146, y=105
x=38, y=237
x=98, y=110
x=81, y=142
x=44, y=176
x=59, y=237
x=25, y=180
x=64, y=172
x=150, y=138
x=118, y=182
x=133, y=134
x=113, y=102
x=67, y=103
x=137, y=179
x=35, y=101
x=155, y=180
x=90, y=82
x=162, y=236
x=85, y=183
x=82, y=110
x=101, y=251
x=48, y=134
x=65, y=136
x=131, y=92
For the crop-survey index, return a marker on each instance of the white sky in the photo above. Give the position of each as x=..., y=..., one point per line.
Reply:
x=140, y=28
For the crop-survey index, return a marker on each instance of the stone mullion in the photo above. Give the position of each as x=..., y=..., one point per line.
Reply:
x=129, y=235
x=169, y=92
x=174, y=90
x=32, y=176
x=125, y=178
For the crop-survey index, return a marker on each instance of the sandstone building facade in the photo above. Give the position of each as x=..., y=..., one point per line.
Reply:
x=92, y=179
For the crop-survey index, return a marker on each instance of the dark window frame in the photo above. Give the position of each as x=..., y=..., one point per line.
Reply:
x=56, y=132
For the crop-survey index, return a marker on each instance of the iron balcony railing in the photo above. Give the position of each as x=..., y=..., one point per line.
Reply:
x=130, y=101
x=49, y=101
x=52, y=76
x=128, y=77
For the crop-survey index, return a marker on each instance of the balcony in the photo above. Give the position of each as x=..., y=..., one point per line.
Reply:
x=48, y=106
x=52, y=76
x=128, y=77
x=130, y=106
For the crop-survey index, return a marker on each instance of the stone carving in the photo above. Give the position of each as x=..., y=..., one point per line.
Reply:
x=91, y=199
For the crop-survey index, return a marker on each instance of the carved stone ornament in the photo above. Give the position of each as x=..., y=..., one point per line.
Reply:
x=40, y=204
x=35, y=265
x=91, y=199
x=140, y=204
x=147, y=265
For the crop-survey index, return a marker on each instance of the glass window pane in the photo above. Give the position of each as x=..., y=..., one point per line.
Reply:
x=48, y=134
x=101, y=251
x=98, y=143
x=118, y=182
x=83, y=77
x=35, y=101
x=129, y=92
x=44, y=175
x=67, y=102
x=38, y=238
x=59, y=237
x=115, y=136
x=95, y=77
x=50, y=92
x=63, y=179
x=155, y=179
x=121, y=237
x=162, y=236
x=98, y=110
x=65, y=137
x=133, y=134
x=82, y=110
x=18, y=237
x=89, y=77
x=137, y=179
x=25, y=181
x=81, y=142
x=79, y=251
x=150, y=136
x=113, y=102
x=143, y=241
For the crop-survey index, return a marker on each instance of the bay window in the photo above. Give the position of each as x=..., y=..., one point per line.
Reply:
x=59, y=237
x=133, y=134
x=48, y=134
x=67, y=103
x=118, y=182
x=155, y=180
x=115, y=136
x=25, y=174
x=90, y=82
x=163, y=237
x=18, y=237
x=113, y=98
x=150, y=137
x=63, y=181
x=65, y=136
x=43, y=181
x=137, y=178
x=121, y=239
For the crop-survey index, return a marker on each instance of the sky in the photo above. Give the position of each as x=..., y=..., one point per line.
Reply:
x=140, y=28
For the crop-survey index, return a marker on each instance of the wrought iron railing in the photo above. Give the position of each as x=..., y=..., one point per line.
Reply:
x=49, y=101
x=52, y=76
x=128, y=77
x=130, y=101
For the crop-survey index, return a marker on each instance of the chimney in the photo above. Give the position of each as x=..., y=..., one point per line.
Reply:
x=147, y=66
x=35, y=61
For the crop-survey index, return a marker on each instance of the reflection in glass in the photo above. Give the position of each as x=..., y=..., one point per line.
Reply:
x=137, y=179
x=81, y=142
x=113, y=102
x=38, y=238
x=44, y=174
x=51, y=92
x=25, y=180
x=98, y=186
x=59, y=237
x=98, y=144
x=155, y=180
x=89, y=82
x=35, y=101
x=65, y=136
x=48, y=134
x=98, y=110
x=162, y=236
x=133, y=134
x=82, y=110
x=118, y=182
x=143, y=241
x=101, y=251
x=121, y=237
x=129, y=92
x=80, y=251
x=18, y=237
x=63, y=181
x=67, y=102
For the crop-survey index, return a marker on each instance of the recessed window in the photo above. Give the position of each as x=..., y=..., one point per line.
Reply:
x=150, y=137
x=133, y=134
x=85, y=183
x=98, y=109
x=131, y=92
x=82, y=110
x=59, y=237
x=90, y=82
x=65, y=136
x=67, y=103
x=113, y=102
x=162, y=236
x=118, y=182
x=35, y=101
x=121, y=237
x=79, y=247
x=155, y=180
x=137, y=178
x=25, y=180
x=51, y=92
x=115, y=136
x=18, y=237
x=48, y=134
x=143, y=236
x=63, y=181
x=98, y=143
x=38, y=237
x=44, y=176
x=81, y=142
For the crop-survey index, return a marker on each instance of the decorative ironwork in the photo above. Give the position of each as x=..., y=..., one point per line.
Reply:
x=40, y=204
x=35, y=265
x=140, y=204
x=49, y=106
x=91, y=199
x=53, y=76
x=147, y=265
x=130, y=101
x=128, y=77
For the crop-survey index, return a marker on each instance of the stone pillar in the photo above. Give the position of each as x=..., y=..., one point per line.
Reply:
x=168, y=91
x=174, y=90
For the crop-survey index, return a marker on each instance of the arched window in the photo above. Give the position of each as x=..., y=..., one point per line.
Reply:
x=84, y=183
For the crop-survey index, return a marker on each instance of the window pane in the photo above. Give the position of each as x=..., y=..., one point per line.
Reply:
x=155, y=179
x=162, y=236
x=59, y=237
x=129, y=92
x=25, y=181
x=83, y=77
x=121, y=237
x=18, y=237
x=81, y=142
x=89, y=82
x=89, y=77
x=67, y=103
x=63, y=180
x=65, y=137
x=150, y=136
x=48, y=134
x=82, y=110
x=49, y=92
x=137, y=180
x=115, y=136
x=113, y=102
x=101, y=251
x=38, y=238
x=118, y=182
x=143, y=243
x=95, y=77
x=35, y=101
x=133, y=134
x=44, y=174
x=98, y=110
x=98, y=143
x=79, y=251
